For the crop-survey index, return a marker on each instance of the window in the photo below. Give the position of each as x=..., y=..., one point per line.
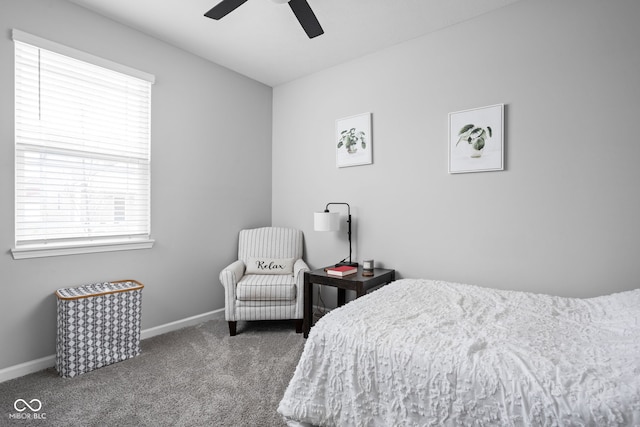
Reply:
x=82, y=152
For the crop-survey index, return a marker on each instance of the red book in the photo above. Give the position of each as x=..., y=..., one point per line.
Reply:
x=343, y=270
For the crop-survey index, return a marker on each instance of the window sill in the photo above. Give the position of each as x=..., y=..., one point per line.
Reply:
x=41, y=251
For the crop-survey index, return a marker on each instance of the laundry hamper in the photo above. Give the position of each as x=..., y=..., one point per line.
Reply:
x=98, y=324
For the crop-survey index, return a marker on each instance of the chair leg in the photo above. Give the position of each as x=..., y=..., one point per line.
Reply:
x=232, y=328
x=298, y=326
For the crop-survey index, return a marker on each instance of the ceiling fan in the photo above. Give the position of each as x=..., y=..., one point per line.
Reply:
x=300, y=8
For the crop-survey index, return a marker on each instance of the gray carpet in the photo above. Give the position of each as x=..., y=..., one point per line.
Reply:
x=197, y=376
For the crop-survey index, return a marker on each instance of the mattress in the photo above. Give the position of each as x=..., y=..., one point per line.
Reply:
x=431, y=353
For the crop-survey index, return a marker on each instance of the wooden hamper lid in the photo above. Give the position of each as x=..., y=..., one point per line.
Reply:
x=97, y=289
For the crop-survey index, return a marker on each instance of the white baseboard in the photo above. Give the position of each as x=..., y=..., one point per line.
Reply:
x=27, y=368
x=182, y=323
x=32, y=366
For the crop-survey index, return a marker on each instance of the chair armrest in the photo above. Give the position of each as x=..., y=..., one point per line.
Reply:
x=231, y=274
x=229, y=278
x=298, y=272
x=299, y=267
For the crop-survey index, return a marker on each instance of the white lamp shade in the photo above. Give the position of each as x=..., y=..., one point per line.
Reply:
x=326, y=221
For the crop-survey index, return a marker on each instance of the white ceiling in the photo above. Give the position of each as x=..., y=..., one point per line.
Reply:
x=263, y=40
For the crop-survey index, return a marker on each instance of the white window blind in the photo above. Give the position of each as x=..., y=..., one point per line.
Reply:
x=82, y=147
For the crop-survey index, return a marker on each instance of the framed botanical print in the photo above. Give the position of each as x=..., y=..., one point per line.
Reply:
x=476, y=140
x=353, y=141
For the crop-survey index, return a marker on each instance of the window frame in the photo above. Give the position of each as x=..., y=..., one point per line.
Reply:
x=56, y=247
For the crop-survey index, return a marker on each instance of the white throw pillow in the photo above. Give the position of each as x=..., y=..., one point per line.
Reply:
x=269, y=265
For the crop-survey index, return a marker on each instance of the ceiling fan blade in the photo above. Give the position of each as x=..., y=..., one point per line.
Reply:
x=306, y=17
x=223, y=8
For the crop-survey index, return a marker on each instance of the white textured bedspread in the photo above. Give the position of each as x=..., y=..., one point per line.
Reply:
x=431, y=353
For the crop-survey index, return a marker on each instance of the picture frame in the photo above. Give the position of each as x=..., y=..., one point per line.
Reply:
x=353, y=141
x=476, y=139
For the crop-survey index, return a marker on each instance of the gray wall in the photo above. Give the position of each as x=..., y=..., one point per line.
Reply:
x=561, y=219
x=200, y=139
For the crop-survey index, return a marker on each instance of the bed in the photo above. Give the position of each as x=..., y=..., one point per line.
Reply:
x=433, y=353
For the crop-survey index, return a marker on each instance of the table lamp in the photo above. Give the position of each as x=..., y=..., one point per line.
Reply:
x=330, y=221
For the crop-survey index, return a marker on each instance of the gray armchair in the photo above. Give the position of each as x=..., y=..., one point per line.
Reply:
x=267, y=280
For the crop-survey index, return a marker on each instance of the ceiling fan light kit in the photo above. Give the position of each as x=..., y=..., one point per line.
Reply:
x=300, y=8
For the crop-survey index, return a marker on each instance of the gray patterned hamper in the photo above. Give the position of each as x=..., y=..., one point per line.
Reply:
x=98, y=324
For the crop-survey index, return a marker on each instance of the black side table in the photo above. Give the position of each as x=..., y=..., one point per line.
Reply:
x=354, y=282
